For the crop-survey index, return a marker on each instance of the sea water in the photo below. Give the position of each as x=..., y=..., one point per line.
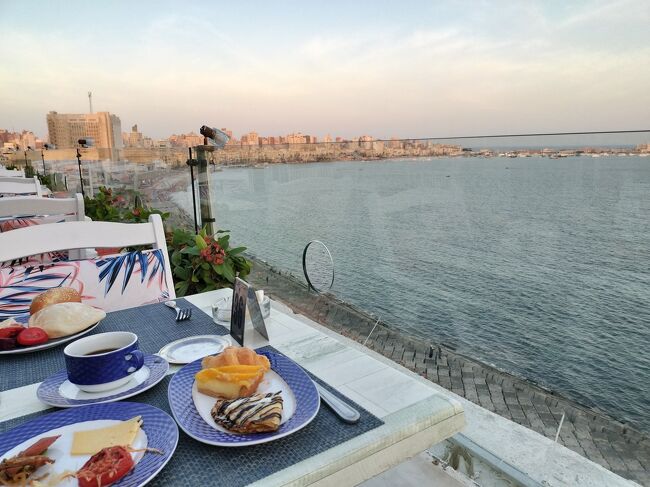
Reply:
x=538, y=266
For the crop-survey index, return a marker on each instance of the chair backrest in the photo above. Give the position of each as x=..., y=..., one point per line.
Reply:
x=22, y=206
x=17, y=173
x=23, y=211
x=20, y=186
x=40, y=239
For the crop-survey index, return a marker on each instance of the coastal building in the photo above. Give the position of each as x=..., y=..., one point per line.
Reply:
x=133, y=138
x=186, y=140
x=296, y=138
x=251, y=138
x=65, y=129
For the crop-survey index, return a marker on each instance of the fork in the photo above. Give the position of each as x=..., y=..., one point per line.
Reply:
x=181, y=313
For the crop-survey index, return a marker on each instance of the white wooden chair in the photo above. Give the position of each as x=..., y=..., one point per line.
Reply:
x=20, y=186
x=40, y=239
x=70, y=209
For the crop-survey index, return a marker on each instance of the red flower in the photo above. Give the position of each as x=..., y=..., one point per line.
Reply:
x=213, y=252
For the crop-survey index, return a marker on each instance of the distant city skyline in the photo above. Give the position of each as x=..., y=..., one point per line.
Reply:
x=413, y=69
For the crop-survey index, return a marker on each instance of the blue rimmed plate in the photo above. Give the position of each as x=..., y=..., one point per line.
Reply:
x=58, y=391
x=158, y=431
x=191, y=409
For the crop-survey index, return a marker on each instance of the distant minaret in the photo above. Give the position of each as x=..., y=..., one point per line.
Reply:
x=90, y=100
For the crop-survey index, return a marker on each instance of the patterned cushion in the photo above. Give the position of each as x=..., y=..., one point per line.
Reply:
x=110, y=283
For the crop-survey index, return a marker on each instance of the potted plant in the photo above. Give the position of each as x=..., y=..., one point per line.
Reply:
x=201, y=262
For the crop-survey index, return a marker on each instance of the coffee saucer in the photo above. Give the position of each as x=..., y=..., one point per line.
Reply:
x=58, y=391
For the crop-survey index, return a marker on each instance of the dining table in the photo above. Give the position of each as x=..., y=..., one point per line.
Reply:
x=401, y=413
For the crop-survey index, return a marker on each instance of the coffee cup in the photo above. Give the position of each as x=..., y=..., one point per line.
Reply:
x=104, y=361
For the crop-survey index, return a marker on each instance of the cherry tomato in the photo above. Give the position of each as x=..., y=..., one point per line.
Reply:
x=105, y=467
x=32, y=336
x=11, y=331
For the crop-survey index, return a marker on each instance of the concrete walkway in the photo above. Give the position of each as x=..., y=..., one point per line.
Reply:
x=614, y=445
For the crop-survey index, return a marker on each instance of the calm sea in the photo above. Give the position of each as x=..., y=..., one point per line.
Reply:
x=538, y=266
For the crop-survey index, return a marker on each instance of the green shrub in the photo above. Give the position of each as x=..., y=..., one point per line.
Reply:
x=202, y=263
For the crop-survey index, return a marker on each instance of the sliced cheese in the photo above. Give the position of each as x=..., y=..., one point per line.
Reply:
x=91, y=441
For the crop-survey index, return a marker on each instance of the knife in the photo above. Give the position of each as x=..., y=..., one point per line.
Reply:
x=342, y=409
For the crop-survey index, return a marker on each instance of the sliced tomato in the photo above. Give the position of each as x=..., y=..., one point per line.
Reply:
x=32, y=336
x=105, y=467
x=11, y=331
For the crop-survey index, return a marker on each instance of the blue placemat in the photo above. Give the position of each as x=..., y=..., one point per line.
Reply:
x=197, y=464
x=154, y=324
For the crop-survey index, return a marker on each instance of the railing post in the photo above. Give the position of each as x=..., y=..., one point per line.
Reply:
x=205, y=196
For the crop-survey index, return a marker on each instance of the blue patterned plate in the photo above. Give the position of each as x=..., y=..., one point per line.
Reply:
x=191, y=409
x=50, y=343
x=158, y=431
x=58, y=391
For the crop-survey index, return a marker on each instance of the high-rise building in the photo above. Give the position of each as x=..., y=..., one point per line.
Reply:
x=65, y=129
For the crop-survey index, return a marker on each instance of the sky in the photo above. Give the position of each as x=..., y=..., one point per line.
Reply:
x=403, y=68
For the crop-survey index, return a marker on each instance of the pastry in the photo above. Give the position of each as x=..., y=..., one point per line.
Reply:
x=230, y=381
x=255, y=414
x=63, y=319
x=54, y=296
x=236, y=356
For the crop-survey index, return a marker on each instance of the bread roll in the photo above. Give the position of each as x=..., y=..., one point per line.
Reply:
x=63, y=319
x=53, y=296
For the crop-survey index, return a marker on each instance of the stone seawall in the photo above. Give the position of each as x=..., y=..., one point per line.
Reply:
x=598, y=437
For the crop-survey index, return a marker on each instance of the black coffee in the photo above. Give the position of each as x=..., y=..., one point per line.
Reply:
x=103, y=350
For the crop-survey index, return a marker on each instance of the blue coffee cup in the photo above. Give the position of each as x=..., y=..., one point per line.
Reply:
x=104, y=361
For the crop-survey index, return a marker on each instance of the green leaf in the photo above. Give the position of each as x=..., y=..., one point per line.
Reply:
x=229, y=272
x=191, y=251
x=181, y=288
x=236, y=250
x=177, y=258
x=182, y=273
x=224, y=241
x=200, y=242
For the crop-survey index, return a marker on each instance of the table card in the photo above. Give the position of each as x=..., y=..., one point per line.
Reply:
x=244, y=298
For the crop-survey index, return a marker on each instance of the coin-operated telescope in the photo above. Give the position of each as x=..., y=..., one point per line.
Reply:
x=214, y=137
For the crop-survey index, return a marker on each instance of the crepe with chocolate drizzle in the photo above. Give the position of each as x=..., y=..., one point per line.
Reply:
x=254, y=414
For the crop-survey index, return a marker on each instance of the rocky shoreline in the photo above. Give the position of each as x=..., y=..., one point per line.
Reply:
x=615, y=445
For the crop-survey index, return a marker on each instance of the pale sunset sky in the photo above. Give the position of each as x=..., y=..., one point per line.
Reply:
x=401, y=68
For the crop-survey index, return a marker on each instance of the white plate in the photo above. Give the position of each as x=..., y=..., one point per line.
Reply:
x=58, y=391
x=191, y=409
x=189, y=349
x=50, y=343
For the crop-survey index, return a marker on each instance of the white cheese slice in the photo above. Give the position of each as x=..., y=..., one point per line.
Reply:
x=91, y=441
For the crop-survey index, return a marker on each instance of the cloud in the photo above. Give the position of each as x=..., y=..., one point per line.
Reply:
x=498, y=66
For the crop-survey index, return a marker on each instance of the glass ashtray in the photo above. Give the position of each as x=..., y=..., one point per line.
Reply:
x=222, y=309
